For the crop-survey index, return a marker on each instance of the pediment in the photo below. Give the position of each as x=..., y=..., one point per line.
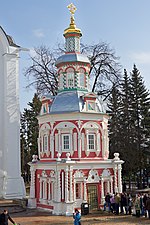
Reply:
x=90, y=95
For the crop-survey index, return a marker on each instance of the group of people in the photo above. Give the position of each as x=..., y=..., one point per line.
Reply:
x=125, y=203
x=142, y=205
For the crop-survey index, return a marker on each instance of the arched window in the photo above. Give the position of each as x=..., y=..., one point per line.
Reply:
x=82, y=78
x=45, y=142
x=70, y=78
x=61, y=80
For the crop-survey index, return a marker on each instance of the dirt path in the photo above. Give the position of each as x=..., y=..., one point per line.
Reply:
x=44, y=218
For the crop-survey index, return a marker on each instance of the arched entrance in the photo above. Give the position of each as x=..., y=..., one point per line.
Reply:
x=92, y=189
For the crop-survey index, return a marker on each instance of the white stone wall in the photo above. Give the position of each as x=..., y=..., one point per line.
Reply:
x=13, y=185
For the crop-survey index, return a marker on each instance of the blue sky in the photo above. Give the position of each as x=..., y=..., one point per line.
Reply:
x=122, y=23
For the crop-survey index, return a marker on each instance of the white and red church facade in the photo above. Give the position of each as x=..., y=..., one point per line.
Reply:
x=73, y=146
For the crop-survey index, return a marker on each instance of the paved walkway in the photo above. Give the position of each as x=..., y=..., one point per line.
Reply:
x=36, y=217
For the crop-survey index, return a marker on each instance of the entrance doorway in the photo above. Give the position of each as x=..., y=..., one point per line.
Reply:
x=92, y=197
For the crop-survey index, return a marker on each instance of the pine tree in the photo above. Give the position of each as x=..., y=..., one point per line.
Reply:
x=127, y=150
x=129, y=126
x=140, y=119
x=114, y=123
x=29, y=134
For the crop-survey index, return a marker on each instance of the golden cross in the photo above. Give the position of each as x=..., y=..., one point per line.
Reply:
x=72, y=8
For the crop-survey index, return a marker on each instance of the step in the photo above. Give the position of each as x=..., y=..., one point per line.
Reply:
x=13, y=206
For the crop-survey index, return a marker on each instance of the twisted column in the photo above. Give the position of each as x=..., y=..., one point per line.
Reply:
x=71, y=187
x=119, y=179
x=66, y=185
x=32, y=185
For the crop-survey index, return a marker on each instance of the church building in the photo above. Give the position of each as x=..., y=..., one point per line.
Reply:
x=73, y=165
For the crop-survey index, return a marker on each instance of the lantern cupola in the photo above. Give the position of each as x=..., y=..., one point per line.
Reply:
x=72, y=34
x=73, y=67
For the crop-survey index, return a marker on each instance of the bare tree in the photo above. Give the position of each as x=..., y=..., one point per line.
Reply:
x=105, y=68
x=43, y=71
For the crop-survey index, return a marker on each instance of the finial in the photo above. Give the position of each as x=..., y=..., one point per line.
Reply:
x=72, y=9
x=72, y=26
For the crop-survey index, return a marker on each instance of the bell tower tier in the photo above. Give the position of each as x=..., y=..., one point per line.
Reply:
x=73, y=67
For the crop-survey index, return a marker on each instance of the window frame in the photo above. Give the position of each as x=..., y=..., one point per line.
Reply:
x=45, y=140
x=61, y=80
x=70, y=81
x=93, y=103
x=78, y=190
x=63, y=144
x=94, y=142
x=82, y=73
x=70, y=77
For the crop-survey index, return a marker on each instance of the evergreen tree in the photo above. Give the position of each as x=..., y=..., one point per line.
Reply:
x=140, y=118
x=29, y=134
x=130, y=123
x=127, y=145
x=114, y=123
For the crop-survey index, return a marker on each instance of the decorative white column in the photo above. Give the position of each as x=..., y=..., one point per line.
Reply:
x=52, y=145
x=52, y=190
x=58, y=187
x=103, y=145
x=55, y=190
x=49, y=190
x=87, y=143
x=41, y=189
x=32, y=185
x=119, y=179
x=39, y=146
x=102, y=191
x=71, y=147
x=74, y=189
x=45, y=189
x=62, y=186
x=66, y=185
x=98, y=147
x=115, y=179
x=71, y=188
x=85, y=192
x=59, y=138
x=79, y=145
x=32, y=198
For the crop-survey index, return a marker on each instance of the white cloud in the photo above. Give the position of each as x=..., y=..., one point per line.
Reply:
x=141, y=57
x=38, y=33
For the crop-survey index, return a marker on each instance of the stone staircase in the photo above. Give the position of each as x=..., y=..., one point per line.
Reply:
x=13, y=206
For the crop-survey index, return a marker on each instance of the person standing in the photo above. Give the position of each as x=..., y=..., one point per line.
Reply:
x=4, y=217
x=117, y=201
x=137, y=205
x=107, y=200
x=112, y=201
x=148, y=206
x=130, y=204
x=77, y=217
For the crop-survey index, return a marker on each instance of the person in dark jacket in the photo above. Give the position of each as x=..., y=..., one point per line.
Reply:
x=107, y=200
x=4, y=217
x=148, y=206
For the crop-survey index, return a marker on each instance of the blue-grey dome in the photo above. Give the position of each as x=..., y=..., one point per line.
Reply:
x=68, y=101
x=74, y=57
x=72, y=101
